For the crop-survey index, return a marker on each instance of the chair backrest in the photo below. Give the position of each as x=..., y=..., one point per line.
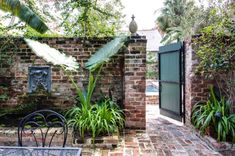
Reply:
x=41, y=127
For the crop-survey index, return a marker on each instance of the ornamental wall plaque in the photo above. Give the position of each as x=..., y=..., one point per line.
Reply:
x=39, y=78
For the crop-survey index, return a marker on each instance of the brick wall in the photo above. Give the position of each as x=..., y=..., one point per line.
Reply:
x=62, y=94
x=124, y=75
x=152, y=99
x=134, y=83
x=196, y=87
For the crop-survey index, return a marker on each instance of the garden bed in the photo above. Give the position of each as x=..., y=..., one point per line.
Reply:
x=9, y=137
x=215, y=145
x=104, y=142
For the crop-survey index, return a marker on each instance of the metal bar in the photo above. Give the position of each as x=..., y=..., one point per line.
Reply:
x=172, y=82
x=43, y=148
x=159, y=82
x=170, y=48
x=171, y=114
x=167, y=52
x=183, y=80
x=180, y=75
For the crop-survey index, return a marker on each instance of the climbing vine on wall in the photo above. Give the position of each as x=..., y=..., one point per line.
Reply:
x=216, y=53
x=7, y=57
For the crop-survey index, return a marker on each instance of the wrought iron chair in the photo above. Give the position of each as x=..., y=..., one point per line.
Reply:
x=41, y=127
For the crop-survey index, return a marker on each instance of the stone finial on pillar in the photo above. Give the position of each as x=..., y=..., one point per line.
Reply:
x=133, y=26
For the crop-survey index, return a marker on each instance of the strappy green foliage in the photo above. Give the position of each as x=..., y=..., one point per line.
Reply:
x=214, y=115
x=105, y=53
x=24, y=13
x=104, y=117
x=97, y=118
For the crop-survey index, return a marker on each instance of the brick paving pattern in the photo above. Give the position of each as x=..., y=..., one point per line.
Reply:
x=161, y=138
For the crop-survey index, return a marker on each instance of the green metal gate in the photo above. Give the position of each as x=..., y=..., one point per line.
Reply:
x=171, y=81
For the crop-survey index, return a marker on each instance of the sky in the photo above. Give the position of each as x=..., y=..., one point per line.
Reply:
x=145, y=12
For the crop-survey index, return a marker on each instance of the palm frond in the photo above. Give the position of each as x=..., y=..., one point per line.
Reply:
x=169, y=38
x=24, y=13
x=105, y=53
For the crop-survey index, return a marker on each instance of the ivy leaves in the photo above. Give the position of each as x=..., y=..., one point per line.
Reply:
x=216, y=46
x=215, y=49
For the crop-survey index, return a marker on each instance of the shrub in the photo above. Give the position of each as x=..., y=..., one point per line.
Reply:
x=213, y=115
x=215, y=48
x=151, y=74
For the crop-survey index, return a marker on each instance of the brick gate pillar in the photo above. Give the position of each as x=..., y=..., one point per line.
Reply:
x=134, y=82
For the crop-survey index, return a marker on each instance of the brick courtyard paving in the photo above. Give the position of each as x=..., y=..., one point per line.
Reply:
x=161, y=138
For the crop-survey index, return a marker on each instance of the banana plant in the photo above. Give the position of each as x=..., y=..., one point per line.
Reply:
x=105, y=53
x=24, y=13
x=86, y=117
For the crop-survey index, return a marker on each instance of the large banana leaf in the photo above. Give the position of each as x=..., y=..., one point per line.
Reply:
x=52, y=55
x=24, y=13
x=105, y=53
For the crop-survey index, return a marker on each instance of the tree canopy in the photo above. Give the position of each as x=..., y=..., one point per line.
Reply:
x=177, y=19
x=84, y=18
x=92, y=17
x=180, y=19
